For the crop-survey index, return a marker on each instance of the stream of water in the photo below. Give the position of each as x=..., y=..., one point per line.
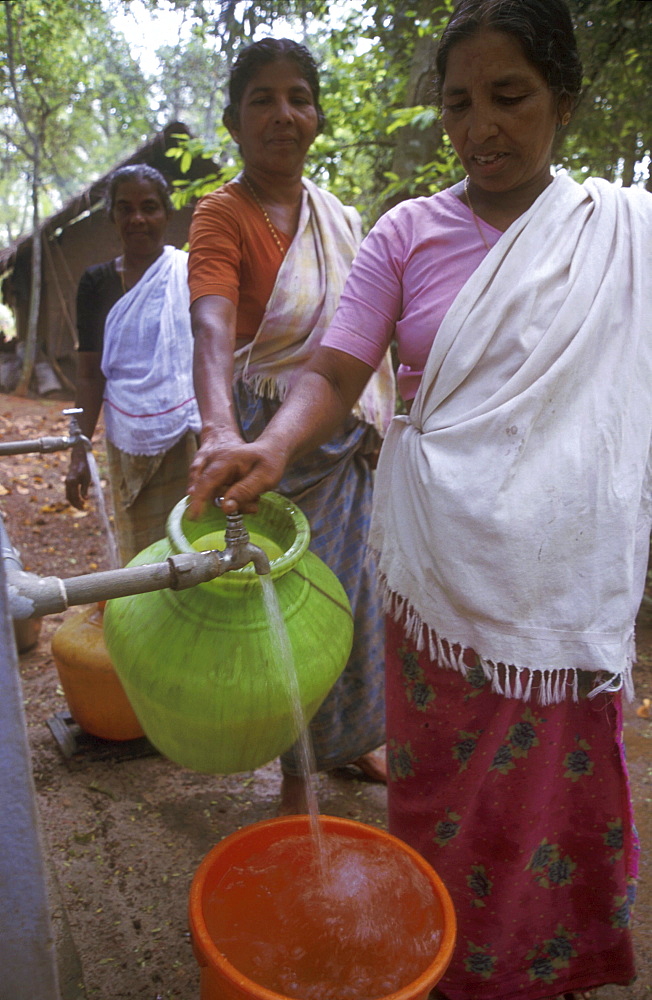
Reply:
x=114, y=558
x=284, y=657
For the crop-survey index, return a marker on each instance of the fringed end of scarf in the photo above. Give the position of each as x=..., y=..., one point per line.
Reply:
x=277, y=387
x=378, y=417
x=548, y=685
x=266, y=385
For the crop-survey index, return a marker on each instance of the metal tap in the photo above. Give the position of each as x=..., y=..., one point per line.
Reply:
x=45, y=445
x=239, y=549
x=74, y=430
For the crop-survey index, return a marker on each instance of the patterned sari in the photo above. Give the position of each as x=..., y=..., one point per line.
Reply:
x=524, y=812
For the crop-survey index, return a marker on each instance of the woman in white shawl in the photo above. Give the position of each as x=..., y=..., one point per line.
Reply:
x=135, y=359
x=511, y=510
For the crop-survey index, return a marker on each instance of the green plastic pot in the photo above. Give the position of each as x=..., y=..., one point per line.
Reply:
x=198, y=666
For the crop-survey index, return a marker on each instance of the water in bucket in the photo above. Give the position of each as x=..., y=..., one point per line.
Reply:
x=322, y=917
x=368, y=929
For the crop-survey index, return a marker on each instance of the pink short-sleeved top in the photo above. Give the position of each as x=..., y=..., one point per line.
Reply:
x=406, y=275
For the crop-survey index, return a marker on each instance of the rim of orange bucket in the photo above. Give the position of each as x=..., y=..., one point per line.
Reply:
x=206, y=947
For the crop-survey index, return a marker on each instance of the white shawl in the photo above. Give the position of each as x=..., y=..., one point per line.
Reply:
x=149, y=399
x=303, y=301
x=512, y=508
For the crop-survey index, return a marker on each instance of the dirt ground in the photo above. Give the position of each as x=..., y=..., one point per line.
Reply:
x=124, y=834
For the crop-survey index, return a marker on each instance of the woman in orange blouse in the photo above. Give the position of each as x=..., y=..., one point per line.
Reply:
x=269, y=253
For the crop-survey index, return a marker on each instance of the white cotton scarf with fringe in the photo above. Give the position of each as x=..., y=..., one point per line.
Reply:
x=303, y=301
x=149, y=399
x=512, y=508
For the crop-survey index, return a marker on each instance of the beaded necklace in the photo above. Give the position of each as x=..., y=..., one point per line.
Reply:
x=475, y=218
x=270, y=224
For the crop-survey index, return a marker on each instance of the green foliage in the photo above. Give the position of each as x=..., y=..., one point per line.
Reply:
x=383, y=142
x=72, y=100
x=419, y=116
x=191, y=82
x=379, y=143
x=78, y=91
x=190, y=148
x=611, y=132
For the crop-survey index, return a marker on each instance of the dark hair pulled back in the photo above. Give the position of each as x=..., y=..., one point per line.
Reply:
x=543, y=27
x=137, y=172
x=259, y=54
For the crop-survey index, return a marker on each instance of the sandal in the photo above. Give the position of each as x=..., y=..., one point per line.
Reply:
x=369, y=767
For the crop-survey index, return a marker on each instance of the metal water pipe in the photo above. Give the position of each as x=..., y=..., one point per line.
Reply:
x=28, y=964
x=32, y=596
x=45, y=445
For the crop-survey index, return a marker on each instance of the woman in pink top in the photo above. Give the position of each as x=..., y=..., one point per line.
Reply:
x=512, y=510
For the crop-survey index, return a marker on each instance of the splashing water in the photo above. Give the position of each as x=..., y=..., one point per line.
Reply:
x=114, y=558
x=369, y=929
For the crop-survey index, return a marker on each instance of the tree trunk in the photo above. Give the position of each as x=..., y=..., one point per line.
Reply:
x=629, y=161
x=31, y=340
x=415, y=147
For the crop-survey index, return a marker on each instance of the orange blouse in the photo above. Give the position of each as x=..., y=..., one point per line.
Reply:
x=233, y=253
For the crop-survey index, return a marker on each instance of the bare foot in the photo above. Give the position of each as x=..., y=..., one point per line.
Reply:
x=373, y=765
x=293, y=796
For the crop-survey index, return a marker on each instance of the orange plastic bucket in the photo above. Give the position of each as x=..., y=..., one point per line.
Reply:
x=243, y=850
x=95, y=696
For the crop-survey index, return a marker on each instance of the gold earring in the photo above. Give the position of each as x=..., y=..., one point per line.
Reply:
x=566, y=118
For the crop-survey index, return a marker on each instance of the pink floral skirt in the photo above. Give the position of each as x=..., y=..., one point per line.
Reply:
x=524, y=811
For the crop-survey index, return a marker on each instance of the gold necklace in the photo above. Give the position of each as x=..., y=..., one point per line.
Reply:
x=270, y=224
x=475, y=218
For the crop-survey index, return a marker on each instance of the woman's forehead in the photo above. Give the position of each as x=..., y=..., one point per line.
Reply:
x=280, y=70
x=128, y=190
x=495, y=55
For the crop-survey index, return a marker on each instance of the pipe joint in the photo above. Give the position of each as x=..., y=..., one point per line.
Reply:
x=239, y=549
x=187, y=569
x=32, y=596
